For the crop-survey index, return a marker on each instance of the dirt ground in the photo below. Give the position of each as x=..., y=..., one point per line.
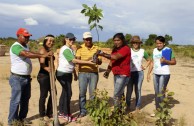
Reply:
x=181, y=82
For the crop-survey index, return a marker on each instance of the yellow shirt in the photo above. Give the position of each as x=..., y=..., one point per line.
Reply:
x=86, y=54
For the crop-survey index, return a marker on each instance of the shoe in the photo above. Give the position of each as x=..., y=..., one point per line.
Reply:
x=127, y=110
x=152, y=115
x=60, y=115
x=67, y=118
x=81, y=115
x=73, y=119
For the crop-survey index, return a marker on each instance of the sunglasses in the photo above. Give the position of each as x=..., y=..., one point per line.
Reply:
x=88, y=39
x=73, y=39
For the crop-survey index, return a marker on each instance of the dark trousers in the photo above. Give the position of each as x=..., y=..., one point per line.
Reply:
x=44, y=81
x=64, y=102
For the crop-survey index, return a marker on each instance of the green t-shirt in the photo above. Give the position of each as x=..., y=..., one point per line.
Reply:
x=68, y=55
x=16, y=49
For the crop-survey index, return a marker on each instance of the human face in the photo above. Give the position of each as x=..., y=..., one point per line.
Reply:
x=23, y=39
x=136, y=45
x=50, y=42
x=69, y=42
x=118, y=42
x=88, y=42
x=159, y=45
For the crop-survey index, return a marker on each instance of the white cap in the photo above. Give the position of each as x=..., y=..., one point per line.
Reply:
x=87, y=35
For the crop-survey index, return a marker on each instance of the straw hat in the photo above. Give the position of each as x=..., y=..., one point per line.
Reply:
x=135, y=39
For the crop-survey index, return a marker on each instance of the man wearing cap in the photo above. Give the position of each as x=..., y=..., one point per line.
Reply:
x=88, y=73
x=20, y=80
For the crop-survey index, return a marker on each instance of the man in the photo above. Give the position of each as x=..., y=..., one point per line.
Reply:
x=20, y=80
x=88, y=73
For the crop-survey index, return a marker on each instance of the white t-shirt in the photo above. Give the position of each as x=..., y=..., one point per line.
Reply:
x=64, y=65
x=19, y=64
x=158, y=68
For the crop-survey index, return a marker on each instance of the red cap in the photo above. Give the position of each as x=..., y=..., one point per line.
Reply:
x=23, y=31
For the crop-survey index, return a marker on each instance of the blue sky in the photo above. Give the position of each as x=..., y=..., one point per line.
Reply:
x=137, y=17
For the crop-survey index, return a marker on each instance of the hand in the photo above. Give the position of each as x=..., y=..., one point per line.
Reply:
x=106, y=74
x=142, y=67
x=98, y=61
x=162, y=60
x=47, y=69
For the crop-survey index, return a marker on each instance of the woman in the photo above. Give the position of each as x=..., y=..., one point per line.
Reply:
x=120, y=66
x=64, y=76
x=44, y=79
x=162, y=58
x=137, y=74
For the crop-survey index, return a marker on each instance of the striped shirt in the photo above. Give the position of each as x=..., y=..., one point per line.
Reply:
x=85, y=53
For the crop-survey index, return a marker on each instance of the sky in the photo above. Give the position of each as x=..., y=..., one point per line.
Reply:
x=135, y=17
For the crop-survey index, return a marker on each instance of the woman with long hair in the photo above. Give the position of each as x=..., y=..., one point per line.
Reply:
x=44, y=79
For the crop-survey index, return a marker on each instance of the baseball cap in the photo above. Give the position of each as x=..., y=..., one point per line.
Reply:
x=70, y=35
x=23, y=31
x=87, y=35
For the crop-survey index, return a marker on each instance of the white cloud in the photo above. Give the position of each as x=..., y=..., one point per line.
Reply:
x=30, y=21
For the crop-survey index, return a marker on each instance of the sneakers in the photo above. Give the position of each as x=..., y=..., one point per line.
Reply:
x=60, y=115
x=68, y=118
x=73, y=119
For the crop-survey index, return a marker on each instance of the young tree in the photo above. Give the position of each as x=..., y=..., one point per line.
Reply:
x=95, y=15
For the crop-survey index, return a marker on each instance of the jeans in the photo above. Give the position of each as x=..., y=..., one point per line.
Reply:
x=64, y=102
x=160, y=84
x=20, y=95
x=86, y=79
x=120, y=82
x=45, y=88
x=135, y=82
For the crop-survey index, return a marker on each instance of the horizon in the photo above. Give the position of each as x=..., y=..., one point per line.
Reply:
x=129, y=17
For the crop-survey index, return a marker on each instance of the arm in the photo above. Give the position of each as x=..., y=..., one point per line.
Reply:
x=169, y=62
x=42, y=60
x=108, y=70
x=78, y=61
x=147, y=64
x=111, y=56
x=29, y=54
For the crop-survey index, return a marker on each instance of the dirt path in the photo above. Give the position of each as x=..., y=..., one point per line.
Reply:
x=181, y=82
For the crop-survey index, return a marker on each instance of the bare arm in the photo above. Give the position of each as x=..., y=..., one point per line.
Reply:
x=29, y=54
x=169, y=62
x=147, y=64
x=78, y=61
x=42, y=60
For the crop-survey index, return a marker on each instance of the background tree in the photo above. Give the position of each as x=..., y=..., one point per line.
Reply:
x=151, y=40
x=168, y=38
x=95, y=15
x=109, y=43
x=128, y=38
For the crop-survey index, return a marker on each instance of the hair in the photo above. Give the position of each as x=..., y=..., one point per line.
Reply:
x=46, y=39
x=120, y=36
x=160, y=38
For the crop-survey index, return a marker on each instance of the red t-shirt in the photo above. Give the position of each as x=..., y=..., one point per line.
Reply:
x=122, y=65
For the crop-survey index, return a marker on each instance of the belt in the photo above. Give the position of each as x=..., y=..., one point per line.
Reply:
x=25, y=76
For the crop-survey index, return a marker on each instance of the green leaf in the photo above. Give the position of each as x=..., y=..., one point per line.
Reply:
x=100, y=27
x=170, y=94
x=84, y=5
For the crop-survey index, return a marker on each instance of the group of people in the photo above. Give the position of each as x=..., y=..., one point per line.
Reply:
x=125, y=64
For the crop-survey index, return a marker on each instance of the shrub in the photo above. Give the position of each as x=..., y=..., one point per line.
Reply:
x=163, y=114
